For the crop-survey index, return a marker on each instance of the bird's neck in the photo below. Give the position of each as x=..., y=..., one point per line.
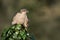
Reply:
x=24, y=13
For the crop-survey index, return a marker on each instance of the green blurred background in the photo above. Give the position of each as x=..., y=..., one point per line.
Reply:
x=44, y=17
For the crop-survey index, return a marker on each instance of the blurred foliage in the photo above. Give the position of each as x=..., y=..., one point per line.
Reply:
x=44, y=16
x=15, y=32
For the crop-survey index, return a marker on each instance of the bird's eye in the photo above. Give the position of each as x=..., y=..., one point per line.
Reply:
x=23, y=10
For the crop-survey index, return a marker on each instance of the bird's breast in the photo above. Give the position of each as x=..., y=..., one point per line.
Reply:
x=21, y=19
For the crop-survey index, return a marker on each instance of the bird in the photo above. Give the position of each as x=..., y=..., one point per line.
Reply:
x=21, y=18
x=17, y=32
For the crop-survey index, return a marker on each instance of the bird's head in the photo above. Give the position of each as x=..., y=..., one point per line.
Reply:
x=24, y=11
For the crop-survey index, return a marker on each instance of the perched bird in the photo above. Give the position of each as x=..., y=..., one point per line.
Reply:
x=21, y=18
x=18, y=32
